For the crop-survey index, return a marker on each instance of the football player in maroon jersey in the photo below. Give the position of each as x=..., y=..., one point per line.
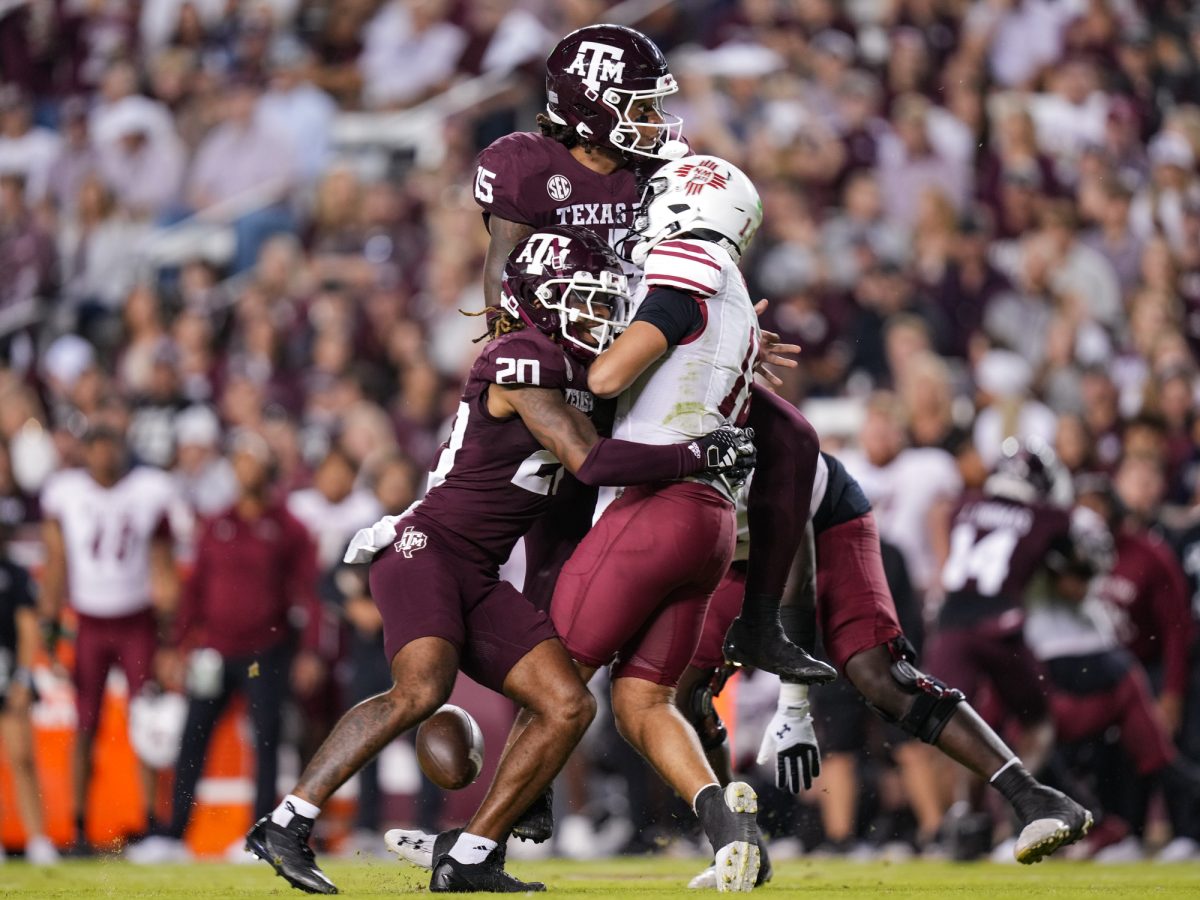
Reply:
x=604, y=132
x=843, y=591
x=435, y=570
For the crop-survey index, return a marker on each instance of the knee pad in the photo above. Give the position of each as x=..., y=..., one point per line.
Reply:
x=934, y=701
x=703, y=715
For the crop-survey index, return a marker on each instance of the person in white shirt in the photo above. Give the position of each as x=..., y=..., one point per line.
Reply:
x=25, y=149
x=911, y=489
x=332, y=509
x=109, y=555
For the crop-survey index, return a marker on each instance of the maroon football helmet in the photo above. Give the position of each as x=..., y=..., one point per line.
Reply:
x=597, y=74
x=1029, y=472
x=566, y=282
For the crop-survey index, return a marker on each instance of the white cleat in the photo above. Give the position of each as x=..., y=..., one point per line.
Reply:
x=737, y=862
x=414, y=847
x=39, y=851
x=1042, y=837
x=157, y=850
x=705, y=881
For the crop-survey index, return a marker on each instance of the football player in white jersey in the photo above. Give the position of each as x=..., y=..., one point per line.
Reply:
x=109, y=554
x=634, y=592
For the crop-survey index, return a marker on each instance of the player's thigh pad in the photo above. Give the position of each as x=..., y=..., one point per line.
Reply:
x=419, y=595
x=500, y=630
x=854, y=604
x=137, y=644
x=649, y=543
x=95, y=654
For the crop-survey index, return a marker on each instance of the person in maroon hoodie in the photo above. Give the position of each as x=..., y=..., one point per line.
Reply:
x=252, y=588
x=1145, y=592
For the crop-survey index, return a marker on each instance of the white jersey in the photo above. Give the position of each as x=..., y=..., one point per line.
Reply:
x=107, y=534
x=902, y=493
x=703, y=382
x=333, y=524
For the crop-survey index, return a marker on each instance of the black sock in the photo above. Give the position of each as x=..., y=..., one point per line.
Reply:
x=1014, y=781
x=799, y=626
x=760, y=610
x=80, y=829
x=707, y=796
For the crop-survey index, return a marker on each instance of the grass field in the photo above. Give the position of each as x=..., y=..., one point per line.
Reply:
x=626, y=878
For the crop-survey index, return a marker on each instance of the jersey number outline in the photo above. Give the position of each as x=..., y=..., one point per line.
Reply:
x=540, y=473
x=987, y=560
x=518, y=371
x=484, y=185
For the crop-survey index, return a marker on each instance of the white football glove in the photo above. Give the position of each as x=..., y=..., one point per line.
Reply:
x=791, y=738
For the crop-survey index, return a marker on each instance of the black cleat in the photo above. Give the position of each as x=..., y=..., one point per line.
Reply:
x=537, y=823
x=288, y=852
x=453, y=877
x=769, y=649
x=1049, y=820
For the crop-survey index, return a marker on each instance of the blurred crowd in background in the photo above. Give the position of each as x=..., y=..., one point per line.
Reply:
x=982, y=219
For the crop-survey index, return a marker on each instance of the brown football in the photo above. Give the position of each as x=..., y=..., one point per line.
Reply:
x=450, y=748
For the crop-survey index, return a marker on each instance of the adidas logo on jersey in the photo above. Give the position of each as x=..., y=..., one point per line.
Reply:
x=411, y=541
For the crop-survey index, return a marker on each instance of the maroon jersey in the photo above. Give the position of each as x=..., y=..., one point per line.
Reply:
x=534, y=180
x=492, y=478
x=1148, y=597
x=996, y=547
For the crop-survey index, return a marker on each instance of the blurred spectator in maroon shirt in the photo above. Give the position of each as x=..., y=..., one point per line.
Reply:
x=250, y=621
x=1145, y=592
x=967, y=286
x=27, y=257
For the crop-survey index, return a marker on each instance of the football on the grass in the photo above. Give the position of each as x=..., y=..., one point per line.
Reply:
x=450, y=748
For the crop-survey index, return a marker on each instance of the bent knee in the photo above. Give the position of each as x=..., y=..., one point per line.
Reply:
x=871, y=674
x=420, y=701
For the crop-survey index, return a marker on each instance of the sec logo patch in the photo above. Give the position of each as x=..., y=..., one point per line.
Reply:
x=558, y=187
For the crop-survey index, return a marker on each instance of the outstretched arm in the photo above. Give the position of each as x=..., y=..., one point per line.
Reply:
x=630, y=355
x=505, y=236
x=595, y=460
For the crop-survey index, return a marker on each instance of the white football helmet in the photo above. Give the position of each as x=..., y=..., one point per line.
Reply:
x=697, y=194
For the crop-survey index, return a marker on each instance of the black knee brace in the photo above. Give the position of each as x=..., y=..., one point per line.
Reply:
x=703, y=715
x=934, y=701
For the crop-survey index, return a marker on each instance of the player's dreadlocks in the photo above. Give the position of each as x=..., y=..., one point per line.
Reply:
x=563, y=134
x=499, y=322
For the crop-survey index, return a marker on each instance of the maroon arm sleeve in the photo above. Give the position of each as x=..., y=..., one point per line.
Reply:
x=614, y=462
x=781, y=492
x=1169, y=594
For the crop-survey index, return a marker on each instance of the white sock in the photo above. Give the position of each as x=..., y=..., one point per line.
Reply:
x=471, y=848
x=293, y=806
x=1015, y=761
x=701, y=791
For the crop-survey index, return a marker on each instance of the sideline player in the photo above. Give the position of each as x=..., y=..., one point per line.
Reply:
x=434, y=572
x=109, y=553
x=841, y=571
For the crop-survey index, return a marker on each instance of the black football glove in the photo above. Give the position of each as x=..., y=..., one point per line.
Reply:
x=729, y=451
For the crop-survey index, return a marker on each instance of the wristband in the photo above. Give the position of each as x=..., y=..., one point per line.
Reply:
x=792, y=694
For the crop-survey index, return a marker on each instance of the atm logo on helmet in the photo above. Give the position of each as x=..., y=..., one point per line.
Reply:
x=596, y=63
x=702, y=174
x=542, y=251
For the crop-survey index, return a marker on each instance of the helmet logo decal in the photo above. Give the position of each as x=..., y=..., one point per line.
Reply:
x=558, y=187
x=542, y=251
x=595, y=63
x=699, y=175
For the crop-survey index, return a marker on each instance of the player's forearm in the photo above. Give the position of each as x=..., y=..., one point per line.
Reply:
x=27, y=637
x=799, y=617
x=630, y=355
x=505, y=236
x=617, y=463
